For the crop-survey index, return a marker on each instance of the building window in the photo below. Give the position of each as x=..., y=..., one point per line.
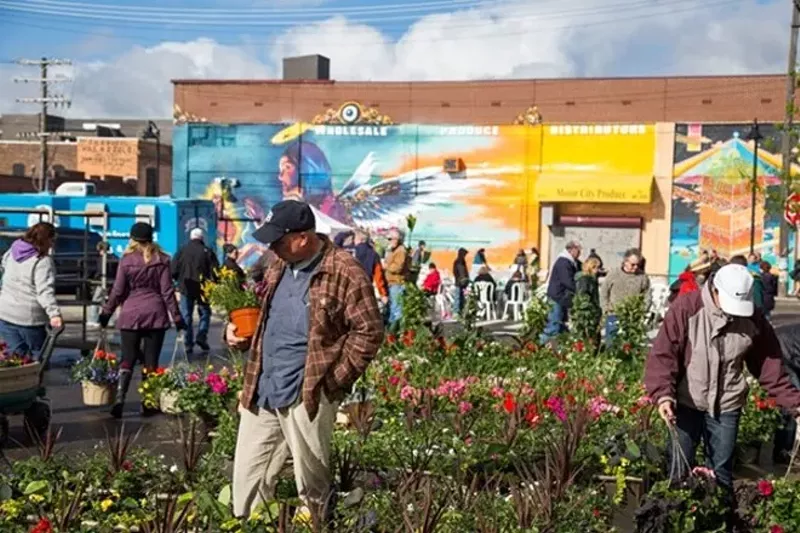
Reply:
x=151, y=182
x=18, y=169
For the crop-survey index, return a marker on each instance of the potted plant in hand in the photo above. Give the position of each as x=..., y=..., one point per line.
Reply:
x=240, y=303
x=98, y=377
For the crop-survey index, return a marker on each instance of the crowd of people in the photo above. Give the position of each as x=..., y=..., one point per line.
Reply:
x=326, y=305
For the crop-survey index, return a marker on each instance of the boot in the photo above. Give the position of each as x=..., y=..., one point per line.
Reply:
x=122, y=391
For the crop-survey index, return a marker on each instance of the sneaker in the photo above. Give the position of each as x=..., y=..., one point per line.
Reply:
x=203, y=345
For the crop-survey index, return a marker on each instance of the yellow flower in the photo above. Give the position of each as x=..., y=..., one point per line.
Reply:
x=105, y=504
x=36, y=498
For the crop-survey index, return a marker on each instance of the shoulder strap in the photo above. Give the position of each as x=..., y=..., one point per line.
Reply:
x=33, y=271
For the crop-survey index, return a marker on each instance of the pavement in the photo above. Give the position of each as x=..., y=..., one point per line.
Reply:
x=84, y=428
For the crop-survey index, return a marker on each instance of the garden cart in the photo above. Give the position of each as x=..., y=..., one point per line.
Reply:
x=22, y=391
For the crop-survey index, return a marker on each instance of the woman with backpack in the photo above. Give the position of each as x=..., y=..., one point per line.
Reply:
x=28, y=294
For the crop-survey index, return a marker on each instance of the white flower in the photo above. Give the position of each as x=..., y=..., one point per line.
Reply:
x=173, y=468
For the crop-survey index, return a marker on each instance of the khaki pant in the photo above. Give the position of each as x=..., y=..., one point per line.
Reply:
x=267, y=438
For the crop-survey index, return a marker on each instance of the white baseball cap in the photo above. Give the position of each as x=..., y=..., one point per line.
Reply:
x=196, y=234
x=734, y=284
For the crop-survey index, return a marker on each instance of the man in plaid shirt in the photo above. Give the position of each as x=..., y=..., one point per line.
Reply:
x=319, y=329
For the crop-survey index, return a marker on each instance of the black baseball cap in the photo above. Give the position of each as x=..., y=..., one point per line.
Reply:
x=289, y=216
x=142, y=232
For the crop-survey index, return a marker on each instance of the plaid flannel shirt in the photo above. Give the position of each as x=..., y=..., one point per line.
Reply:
x=345, y=328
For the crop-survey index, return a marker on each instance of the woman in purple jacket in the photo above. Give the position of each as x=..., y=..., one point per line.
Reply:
x=143, y=287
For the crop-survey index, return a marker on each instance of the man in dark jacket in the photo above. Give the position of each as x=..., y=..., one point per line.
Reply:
x=789, y=339
x=561, y=289
x=193, y=264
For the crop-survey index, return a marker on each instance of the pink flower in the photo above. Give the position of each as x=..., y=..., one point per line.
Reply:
x=599, y=405
x=464, y=407
x=217, y=383
x=193, y=377
x=497, y=392
x=701, y=471
x=776, y=529
x=556, y=406
x=408, y=393
x=765, y=488
x=394, y=380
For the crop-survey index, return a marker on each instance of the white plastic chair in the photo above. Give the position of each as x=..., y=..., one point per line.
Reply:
x=659, y=293
x=444, y=299
x=516, y=304
x=486, y=307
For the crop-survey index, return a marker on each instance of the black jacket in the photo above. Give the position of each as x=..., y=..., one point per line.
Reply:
x=193, y=264
x=769, y=290
x=561, y=287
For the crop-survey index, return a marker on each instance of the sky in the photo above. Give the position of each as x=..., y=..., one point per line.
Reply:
x=125, y=52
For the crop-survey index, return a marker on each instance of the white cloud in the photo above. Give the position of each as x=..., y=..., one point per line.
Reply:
x=503, y=40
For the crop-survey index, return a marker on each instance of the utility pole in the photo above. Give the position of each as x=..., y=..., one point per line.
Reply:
x=44, y=99
x=788, y=141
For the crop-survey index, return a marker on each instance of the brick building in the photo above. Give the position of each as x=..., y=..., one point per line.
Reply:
x=571, y=173
x=631, y=100
x=89, y=148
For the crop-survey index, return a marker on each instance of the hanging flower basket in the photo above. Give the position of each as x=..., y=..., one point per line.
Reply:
x=169, y=402
x=98, y=394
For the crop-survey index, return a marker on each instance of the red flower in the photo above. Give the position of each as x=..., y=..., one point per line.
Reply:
x=531, y=347
x=765, y=488
x=509, y=403
x=42, y=526
x=776, y=529
x=127, y=466
x=561, y=375
x=596, y=512
x=578, y=346
x=408, y=337
x=394, y=380
x=397, y=366
x=532, y=416
x=391, y=339
x=626, y=348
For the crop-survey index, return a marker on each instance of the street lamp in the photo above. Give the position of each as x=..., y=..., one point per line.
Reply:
x=153, y=132
x=754, y=135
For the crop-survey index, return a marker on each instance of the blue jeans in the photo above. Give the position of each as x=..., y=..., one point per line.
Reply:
x=23, y=340
x=612, y=327
x=187, y=306
x=557, y=320
x=395, y=304
x=719, y=442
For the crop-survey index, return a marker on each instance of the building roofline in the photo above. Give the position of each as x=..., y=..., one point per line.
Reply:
x=194, y=81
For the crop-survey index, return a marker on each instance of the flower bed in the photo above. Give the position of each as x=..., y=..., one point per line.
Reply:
x=442, y=434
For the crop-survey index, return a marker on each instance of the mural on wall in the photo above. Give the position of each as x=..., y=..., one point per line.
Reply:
x=469, y=186
x=369, y=176
x=712, y=192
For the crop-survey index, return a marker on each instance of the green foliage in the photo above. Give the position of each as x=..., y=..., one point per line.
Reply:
x=226, y=294
x=585, y=318
x=535, y=319
x=416, y=308
x=631, y=339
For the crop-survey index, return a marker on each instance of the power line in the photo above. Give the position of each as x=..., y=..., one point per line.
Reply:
x=344, y=42
x=44, y=100
x=148, y=17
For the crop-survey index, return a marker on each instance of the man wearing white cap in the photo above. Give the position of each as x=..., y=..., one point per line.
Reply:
x=193, y=264
x=695, y=370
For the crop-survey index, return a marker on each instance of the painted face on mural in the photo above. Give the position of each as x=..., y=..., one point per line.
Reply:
x=288, y=176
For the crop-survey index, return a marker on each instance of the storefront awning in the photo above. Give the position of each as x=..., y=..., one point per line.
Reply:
x=594, y=189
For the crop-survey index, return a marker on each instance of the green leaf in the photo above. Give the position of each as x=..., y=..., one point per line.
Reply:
x=225, y=495
x=36, y=487
x=633, y=450
x=185, y=498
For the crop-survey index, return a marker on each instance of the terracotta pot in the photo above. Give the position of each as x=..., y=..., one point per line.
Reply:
x=246, y=321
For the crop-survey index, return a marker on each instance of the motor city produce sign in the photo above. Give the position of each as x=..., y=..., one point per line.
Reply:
x=614, y=189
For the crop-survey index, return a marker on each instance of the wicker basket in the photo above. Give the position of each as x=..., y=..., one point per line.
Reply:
x=168, y=402
x=17, y=378
x=95, y=395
